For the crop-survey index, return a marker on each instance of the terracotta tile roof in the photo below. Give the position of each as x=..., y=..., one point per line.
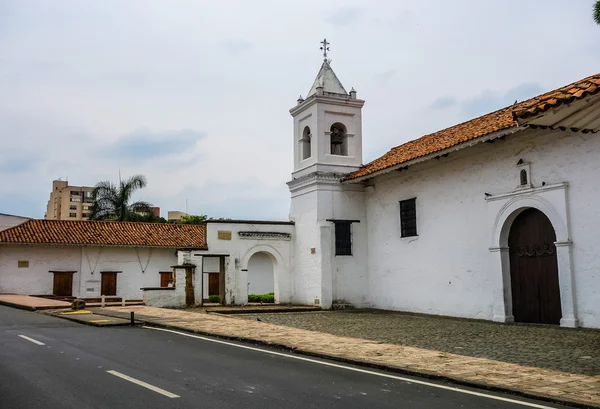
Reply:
x=104, y=233
x=496, y=121
x=568, y=93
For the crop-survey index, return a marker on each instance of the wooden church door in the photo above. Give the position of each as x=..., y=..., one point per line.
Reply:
x=534, y=269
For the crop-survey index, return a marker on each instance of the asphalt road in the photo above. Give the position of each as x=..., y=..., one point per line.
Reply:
x=87, y=367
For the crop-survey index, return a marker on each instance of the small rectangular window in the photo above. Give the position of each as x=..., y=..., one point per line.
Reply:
x=73, y=207
x=74, y=193
x=72, y=214
x=343, y=238
x=408, y=218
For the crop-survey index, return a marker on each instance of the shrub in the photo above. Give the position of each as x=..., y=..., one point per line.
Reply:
x=213, y=298
x=265, y=298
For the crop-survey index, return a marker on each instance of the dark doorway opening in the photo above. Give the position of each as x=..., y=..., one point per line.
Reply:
x=534, y=269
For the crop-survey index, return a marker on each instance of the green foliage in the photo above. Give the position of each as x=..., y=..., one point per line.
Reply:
x=264, y=298
x=597, y=12
x=214, y=298
x=111, y=202
x=193, y=219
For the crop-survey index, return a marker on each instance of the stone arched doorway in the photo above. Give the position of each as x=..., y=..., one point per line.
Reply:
x=534, y=276
x=261, y=273
x=551, y=201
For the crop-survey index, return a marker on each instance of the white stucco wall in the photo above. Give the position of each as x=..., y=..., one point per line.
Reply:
x=448, y=269
x=89, y=262
x=172, y=297
x=322, y=277
x=163, y=298
x=8, y=220
x=239, y=250
x=260, y=274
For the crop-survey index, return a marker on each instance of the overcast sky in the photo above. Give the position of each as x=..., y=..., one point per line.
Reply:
x=195, y=94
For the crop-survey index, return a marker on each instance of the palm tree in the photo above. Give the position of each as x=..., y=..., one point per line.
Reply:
x=111, y=202
x=597, y=12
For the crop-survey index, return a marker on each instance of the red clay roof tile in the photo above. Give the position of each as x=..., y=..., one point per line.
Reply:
x=105, y=233
x=495, y=121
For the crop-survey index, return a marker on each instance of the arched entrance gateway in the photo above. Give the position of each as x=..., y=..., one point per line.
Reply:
x=261, y=278
x=262, y=267
x=534, y=269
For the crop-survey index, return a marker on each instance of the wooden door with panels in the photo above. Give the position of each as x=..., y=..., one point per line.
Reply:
x=534, y=269
x=108, y=283
x=166, y=277
x=62, y=285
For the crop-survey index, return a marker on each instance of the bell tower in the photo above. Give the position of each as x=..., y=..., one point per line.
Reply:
x=327, y=126
x=329, y=264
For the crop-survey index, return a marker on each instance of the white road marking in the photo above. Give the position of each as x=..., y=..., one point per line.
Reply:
x=35, y=341
x=144, y=384
x=349, y=368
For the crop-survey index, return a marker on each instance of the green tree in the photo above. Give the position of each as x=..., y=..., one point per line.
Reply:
x=193, y=219
x=111, y=202
x=597, y=12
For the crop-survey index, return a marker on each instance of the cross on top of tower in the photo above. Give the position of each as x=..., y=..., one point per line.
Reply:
x=325, y=47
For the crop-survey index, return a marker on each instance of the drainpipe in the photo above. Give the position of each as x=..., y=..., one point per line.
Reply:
x=80, y=269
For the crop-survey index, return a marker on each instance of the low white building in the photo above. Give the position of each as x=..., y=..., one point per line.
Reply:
x=91, y=258
x=9, y=220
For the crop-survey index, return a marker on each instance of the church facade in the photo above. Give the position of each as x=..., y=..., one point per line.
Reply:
x=495, y=218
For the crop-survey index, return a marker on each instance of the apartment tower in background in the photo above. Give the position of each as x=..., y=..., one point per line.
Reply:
x=69, y=202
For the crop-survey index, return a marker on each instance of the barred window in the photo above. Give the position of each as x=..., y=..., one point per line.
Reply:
x=408, y=218
x=343, y=238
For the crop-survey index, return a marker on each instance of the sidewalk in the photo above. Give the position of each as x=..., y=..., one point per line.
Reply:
x=526, y=380
x=26, y=302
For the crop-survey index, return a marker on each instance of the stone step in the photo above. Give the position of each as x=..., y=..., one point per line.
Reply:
x=341, y=306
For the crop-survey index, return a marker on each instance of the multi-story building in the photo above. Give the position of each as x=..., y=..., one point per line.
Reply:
x=175, y=215
x=155, y=210
x=69, y=202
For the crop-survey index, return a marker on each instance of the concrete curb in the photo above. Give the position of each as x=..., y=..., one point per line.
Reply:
x=260, y=311
x=74, y=318
x=421, y=374
x=17, y=306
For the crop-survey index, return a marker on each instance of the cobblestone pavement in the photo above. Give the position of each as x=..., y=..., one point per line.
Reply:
x=562, y=349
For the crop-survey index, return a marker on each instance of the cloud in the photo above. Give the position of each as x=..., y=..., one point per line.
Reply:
x=14, y=165
x=489, y=101
x=242, y=199
x=344, y=16
x=143, y=144
x=236, y=45
x=443, y=102
x=385, y=76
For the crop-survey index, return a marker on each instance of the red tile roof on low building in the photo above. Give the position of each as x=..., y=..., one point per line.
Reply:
x=105, y=233
x=502, y=119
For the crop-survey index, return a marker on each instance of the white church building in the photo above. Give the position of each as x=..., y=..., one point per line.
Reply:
x=496, y=218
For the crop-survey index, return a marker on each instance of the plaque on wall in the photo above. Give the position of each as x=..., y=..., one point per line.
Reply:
x=224, y=235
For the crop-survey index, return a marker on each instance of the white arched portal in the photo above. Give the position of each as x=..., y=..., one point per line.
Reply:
x=552, y=201
x=261, y=278
x=255, y=263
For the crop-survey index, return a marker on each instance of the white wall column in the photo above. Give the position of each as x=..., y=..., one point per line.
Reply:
x=565, y=279
x=502, y=305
